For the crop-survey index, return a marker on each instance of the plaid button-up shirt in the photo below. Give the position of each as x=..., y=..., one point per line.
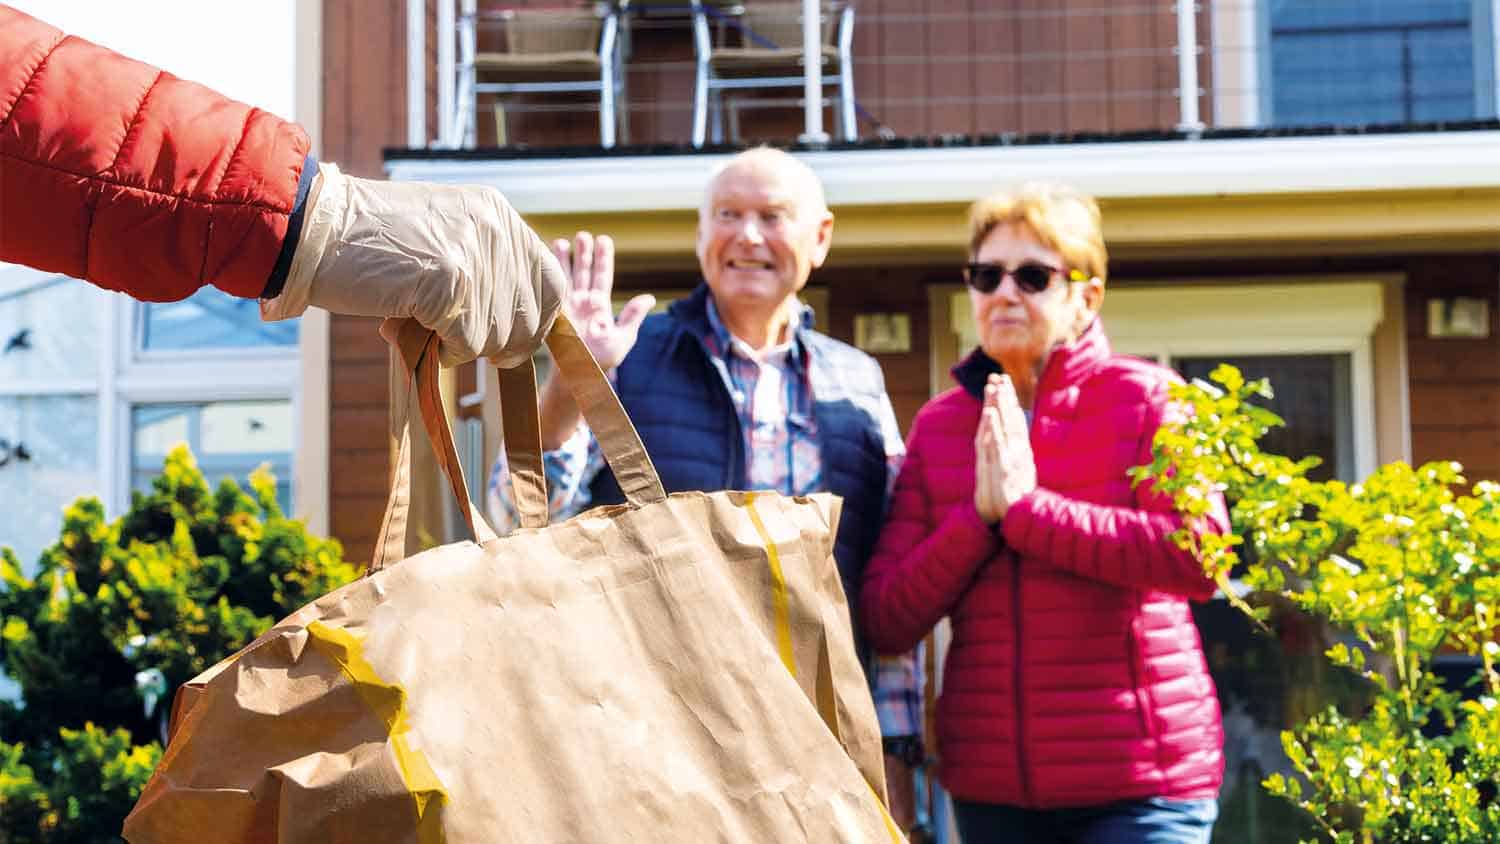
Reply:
x=774, y=401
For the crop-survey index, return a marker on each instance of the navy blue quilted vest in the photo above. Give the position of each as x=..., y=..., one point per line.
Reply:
x=683, y=411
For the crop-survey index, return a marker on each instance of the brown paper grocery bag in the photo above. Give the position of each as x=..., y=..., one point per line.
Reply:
x=677, y=668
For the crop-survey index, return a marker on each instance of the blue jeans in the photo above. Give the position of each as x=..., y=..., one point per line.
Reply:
x=1153, y=821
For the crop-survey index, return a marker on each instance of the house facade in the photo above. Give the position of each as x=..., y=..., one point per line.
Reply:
x=1310, y=190
x=1327, y=206
x=1321, y=208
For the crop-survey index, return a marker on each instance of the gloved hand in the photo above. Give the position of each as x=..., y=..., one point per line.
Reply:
x=457, y=258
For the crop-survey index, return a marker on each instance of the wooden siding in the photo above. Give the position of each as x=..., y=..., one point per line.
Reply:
x=364, y=111
x=1454, y=383
x=859, y=290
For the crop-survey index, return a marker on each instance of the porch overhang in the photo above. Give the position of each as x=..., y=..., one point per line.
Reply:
x=1338, y=194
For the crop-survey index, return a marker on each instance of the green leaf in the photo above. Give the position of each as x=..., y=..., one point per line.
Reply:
x=1403, y=563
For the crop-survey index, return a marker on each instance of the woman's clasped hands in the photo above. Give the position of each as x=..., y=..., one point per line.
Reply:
x=1004, y=469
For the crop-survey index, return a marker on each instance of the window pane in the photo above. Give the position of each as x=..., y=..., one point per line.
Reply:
x=228, y=439
x=1351, y=13
x=1337, y=79
x=49, y=325
x=49, y=449
x=1394, y=61
x=1443, y=75
x=211, y=318
x=1312, y=395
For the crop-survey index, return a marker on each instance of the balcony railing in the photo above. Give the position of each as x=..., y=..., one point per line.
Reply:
x=1174, y=66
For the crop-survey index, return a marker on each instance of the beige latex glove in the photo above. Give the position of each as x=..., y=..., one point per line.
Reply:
x=457, y=258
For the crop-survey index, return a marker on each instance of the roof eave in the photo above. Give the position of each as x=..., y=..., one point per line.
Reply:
x=1421, y=161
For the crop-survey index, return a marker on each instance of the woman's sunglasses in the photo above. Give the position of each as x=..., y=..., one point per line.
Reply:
x=1031, y=277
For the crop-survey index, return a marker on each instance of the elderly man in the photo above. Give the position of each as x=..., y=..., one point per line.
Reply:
x=731, y=388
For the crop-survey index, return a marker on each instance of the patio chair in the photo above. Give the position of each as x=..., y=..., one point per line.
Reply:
x=541, y=51
x=759, y=45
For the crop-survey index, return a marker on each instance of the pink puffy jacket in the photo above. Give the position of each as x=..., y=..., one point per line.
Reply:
x=1075, y=676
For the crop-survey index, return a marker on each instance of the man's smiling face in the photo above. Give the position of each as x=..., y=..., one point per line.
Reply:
x=761, y=231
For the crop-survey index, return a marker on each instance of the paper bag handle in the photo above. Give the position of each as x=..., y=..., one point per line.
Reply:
x=418, y=349
x=606, y=417
x=591, y=390
x=520, y=422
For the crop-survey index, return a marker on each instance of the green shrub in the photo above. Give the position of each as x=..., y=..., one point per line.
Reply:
x=1405, y=563
x=118, y=615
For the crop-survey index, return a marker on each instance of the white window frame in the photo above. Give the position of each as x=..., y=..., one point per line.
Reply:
x=1313, y=317
x=130, y=375
x=1325, y=314
x=125, y=375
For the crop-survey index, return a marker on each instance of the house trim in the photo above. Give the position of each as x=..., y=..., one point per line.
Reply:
x=1332, y=195
x=877, y=177
x=1373, y=223
x=312, y=450
x=1315, y=315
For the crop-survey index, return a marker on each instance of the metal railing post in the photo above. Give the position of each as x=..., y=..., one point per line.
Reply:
x=1187, y=68
x=607, y=104
x=812, y=73
x=416, y=73
x=447, y=35
x=702, y=47
x=467, y=96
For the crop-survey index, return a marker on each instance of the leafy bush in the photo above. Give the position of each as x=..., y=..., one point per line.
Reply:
x=1406, y=565
x=116, y=617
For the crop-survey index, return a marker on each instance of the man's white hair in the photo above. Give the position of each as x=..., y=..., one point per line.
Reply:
x=810, y=187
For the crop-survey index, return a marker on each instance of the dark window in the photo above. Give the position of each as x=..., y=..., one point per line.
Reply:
x=1314, y=396
x=1270, y=683
x=1345, y=62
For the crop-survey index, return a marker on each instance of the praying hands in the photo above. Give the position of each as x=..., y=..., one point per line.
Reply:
x=1004, y=468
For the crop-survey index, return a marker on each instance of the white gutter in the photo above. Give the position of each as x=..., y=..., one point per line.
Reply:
x=1437, y=160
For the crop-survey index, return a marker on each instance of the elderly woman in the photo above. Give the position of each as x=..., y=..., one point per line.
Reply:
x=1077, y=706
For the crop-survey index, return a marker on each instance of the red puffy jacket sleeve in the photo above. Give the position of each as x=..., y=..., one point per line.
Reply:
x=1123, y=546
x=119, y=173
